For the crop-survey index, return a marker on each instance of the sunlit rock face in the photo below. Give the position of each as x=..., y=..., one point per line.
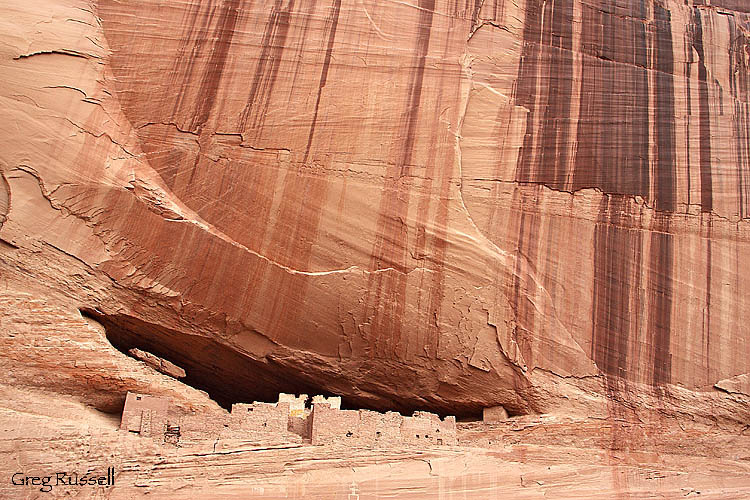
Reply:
x=431, y=204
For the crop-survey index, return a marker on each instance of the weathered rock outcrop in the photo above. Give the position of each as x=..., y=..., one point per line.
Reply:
x=443, y=205
x=435, y=204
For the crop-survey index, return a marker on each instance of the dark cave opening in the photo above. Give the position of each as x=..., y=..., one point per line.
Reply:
x=230, y=377
x=226, y=375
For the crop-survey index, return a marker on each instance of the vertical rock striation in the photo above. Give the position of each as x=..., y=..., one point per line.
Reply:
x=437, y=204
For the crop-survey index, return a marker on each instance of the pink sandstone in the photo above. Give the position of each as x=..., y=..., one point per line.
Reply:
x=433, y=205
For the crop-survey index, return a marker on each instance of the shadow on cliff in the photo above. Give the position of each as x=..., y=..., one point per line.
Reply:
x=228, y=376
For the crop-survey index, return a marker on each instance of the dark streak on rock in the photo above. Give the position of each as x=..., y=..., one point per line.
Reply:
x=184, y=62
x=688, y=108
x=664, y=175
x=384, y=304
x=704, y=115
x=612, y=155
x=661, y=253
x=527, y=251
x=739, y=79
x=266, y=72
x=707, y=314
x=331, y=24
x=209, y=85
x=696, y=35
x=417, y=79
x=556, y=133
x=526, y=88
x=307, y=15
x=297, y=220
x=613, y=132
x=475, y=13
x=617, y=264
x=660, y=300
x=550, y=50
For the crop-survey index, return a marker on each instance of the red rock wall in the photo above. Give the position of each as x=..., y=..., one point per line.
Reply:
x=429, y=204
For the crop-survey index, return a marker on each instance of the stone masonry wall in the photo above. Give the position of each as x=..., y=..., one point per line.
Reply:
x=261, y=421
x=427, y=428
x=145, y=415
x=369, y=428
x=330, y=426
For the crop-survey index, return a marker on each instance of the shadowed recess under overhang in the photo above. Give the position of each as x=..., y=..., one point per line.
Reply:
x=229, y=376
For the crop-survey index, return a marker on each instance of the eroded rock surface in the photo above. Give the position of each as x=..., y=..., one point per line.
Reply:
x=431, y=204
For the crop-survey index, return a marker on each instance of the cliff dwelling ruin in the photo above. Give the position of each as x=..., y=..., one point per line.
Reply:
x=292, y=419
x=230, y=376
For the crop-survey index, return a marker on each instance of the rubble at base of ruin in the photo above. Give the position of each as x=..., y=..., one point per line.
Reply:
x=290, y=420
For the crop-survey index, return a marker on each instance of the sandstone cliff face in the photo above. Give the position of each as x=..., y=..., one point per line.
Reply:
x=425, y=204
x=432, y=204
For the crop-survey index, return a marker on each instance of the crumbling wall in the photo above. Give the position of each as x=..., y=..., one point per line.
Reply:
x=287, y=421
x=300, y=421
x=334, y=401
x=354, y=427
x=261, y=422
x=331, y=426
x=145, y=415
x=297, y=404
x=427, y=428
x=200, y=428
x=370, y=428
x=385, y=427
